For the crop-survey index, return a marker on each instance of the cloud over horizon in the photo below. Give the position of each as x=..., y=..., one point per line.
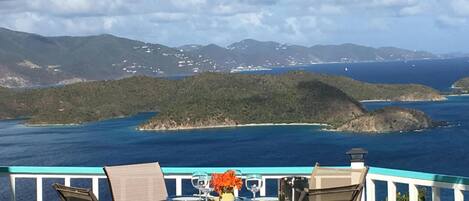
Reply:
x=435, y=25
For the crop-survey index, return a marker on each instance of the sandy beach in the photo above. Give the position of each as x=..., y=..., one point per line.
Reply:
x=235, y=126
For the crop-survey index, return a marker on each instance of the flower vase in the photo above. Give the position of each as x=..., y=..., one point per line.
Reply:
x=227, y=196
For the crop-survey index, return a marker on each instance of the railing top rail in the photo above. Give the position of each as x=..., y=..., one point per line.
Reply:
x=166, y=170
x=299, y=170
x=420, y=175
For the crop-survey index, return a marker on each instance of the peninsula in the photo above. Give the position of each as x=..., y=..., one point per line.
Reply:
x=208, y=100
x=461, y=86
x=389, y=119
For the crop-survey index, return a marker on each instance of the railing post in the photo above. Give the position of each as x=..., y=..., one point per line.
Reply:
x=370, y=190
x=357, y=157
x=178, y=186
x=13, y=187
x=458, y=195
x=262, y=193
x=391, y=191
x=413, y=193
x=435, y=194
x=357, y=161
x=95, y=186
x=363, y=198
x=67, y=181
x=39, y=188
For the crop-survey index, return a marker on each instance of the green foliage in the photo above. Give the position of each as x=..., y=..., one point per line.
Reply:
x=293, y=97
x=255, y=99
x=405, y=196
x=367, y=91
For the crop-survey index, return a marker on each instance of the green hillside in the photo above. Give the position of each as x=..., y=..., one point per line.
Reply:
x=31, y=60
x=245, y=98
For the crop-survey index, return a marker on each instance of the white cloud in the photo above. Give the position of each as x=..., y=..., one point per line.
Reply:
x=460, y=7
x=327, y=9
x=165, y=17
x=251, y=19
x=450, y=22
x=395, y=3
x=412, y=10
x=303, y=29
x=259, y=2
x=175, y=22
x=24, y=21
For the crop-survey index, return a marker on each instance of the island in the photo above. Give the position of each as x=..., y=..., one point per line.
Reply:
x=307, y=102
x=209, y=100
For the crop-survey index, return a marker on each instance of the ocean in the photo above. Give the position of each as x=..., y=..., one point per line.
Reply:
x=116, y=141
x=439, y=74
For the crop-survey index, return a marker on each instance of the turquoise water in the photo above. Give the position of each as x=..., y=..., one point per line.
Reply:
x=440, y=150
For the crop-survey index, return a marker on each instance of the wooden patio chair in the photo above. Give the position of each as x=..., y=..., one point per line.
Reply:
x=335, y=184
x=74, y=194
x=138, y=182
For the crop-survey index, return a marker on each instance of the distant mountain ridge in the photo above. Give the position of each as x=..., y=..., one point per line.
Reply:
x=28, y=60
x=250, y=52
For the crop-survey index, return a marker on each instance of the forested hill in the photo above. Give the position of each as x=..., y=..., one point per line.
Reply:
x=330, y=98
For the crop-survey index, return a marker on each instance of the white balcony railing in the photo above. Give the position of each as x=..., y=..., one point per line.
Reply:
x=391, y=176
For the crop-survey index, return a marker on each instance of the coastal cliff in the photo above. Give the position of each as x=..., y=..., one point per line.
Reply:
x=419, y=96
x=389, y=119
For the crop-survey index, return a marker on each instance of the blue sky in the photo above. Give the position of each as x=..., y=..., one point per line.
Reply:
x=434, y=25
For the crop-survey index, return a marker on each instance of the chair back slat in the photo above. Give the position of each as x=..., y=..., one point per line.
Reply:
x=142, y=182
x=326, y=178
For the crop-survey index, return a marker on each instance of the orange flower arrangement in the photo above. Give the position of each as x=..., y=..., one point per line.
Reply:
x=226, y=182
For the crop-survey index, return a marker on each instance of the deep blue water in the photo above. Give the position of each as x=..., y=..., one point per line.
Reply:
x=116, y=141
x=439, y=74
x=440, y=150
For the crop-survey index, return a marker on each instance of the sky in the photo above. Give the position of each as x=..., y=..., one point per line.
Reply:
x=439, y=26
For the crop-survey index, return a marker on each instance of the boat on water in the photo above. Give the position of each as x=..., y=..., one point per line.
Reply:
x=249, y=69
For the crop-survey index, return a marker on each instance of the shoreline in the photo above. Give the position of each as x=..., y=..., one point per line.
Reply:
x=52, y=125
x=457, y=95
x=374, y=101
x=233, y=126
x=416, y=100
